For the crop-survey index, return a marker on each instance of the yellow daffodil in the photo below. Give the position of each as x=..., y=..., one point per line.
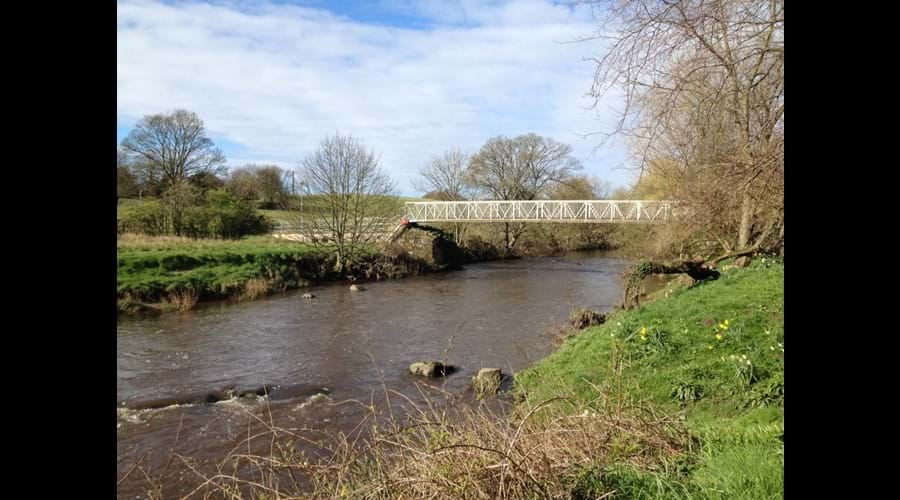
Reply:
x=718, y=336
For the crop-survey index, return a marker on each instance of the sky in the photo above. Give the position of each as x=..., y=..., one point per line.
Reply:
x=408, y=78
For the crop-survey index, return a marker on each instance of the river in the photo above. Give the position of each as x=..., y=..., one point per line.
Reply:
x=342, y=343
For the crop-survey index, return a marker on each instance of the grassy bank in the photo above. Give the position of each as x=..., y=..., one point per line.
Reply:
x=711, y=355
x=175, y=273
x=179, y=271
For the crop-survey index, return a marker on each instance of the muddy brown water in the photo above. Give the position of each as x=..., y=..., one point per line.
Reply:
x=177, y=372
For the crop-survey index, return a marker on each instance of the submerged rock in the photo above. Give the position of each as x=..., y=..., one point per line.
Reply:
x=684, y=279
x=487, y=381
x=356, y=288
x=431, y=369
x=307, y=296
x=253, y=393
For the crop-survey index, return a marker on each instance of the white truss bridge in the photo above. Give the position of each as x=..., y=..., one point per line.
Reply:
x=556, y=211
x=576, y=211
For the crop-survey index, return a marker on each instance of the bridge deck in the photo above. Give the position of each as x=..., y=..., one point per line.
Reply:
x=578, y=211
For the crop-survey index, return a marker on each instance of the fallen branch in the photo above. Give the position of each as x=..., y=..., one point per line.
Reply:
x=752, y=249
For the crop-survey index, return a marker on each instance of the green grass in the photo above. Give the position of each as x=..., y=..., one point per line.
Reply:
x=148, y=267
x=281, y=216
x=127, y=243
x=735, y=411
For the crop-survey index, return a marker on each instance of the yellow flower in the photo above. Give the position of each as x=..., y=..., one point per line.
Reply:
x=718, y=336
x=344, y=491
x=710, y=347
x=643, y=330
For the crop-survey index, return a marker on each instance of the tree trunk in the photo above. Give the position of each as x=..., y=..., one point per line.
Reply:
x=506, y=235
x=781, y=240
x=746, y=219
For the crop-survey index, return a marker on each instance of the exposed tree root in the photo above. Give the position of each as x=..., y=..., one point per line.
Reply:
x=696, y=269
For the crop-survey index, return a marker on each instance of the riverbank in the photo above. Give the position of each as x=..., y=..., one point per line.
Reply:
x=682, y=398
x=710, y=356
x=169, y=273
x=157, y=274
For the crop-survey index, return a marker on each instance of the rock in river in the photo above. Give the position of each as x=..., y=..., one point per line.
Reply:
x=487, y=381
x=583, y=318
x=307, y=296
x=431, y=369
x=356, y=288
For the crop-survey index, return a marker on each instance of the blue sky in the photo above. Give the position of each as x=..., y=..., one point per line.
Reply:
x=409, y=78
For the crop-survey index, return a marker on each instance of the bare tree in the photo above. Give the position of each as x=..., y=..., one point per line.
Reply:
x=580, y=236
x=121, y=158
x=263, y=184
x=349, y=200
x=242, y=183
x=444, y=178
x=444, y=174
x=704, y=91
x=581, y=187
x=523, y=168
x=126, y=186
x=171, y=148
x=272, y=191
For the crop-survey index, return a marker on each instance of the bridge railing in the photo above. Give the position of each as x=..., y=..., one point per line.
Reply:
x=582, y=211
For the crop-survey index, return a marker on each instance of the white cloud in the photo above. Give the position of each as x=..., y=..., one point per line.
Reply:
x=276, y=79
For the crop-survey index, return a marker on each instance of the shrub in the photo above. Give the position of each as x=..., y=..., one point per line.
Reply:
x=232, y=218
x=195, y=222
x=477, y=250
x=255, y=288
x=217, y=214
x=150, y=218
x=182, y=300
